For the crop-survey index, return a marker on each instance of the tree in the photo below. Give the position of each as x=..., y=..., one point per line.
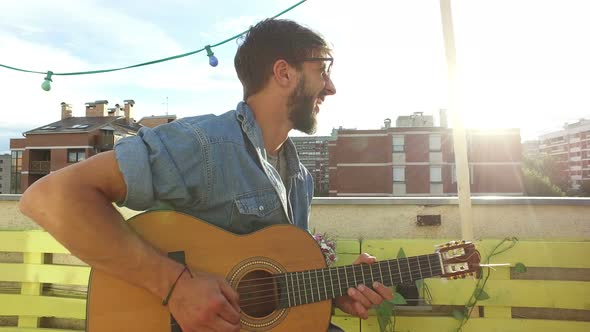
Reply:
x=546, y=165
x=537, y=184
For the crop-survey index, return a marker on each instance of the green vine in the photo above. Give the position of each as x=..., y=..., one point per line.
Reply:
x=386, y=311
x=479, y=293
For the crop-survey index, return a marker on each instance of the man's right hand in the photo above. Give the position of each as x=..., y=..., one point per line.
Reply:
x=205, y=303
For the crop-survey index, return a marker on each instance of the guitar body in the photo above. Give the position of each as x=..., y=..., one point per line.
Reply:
x=115, y=305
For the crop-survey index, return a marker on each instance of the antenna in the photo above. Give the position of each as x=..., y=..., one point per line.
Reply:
x=166, y=105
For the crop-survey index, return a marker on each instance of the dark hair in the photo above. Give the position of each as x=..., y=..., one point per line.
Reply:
x=271, y=40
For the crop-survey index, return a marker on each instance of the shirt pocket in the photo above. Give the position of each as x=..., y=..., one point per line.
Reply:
x=261, y=203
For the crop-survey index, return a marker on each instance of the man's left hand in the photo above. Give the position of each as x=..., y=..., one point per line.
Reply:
x=360, y=299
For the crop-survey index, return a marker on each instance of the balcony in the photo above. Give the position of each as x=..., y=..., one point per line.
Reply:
x=553, y=233
x=40, y=167
x=106, y=142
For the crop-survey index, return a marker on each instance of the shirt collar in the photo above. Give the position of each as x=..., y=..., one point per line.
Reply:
x=246, y=117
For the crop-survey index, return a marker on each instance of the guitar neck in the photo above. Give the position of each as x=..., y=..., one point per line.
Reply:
x=297, y=288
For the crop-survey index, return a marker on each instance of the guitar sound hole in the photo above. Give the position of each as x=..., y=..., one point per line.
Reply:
x=258, y=293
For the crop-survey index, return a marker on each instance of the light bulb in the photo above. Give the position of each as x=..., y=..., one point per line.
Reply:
x=46, y=85
x=212, y=59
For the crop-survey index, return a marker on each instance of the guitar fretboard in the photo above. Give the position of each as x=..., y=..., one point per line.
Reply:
x=298, y=288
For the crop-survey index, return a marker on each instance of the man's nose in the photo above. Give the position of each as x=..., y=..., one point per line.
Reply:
x=330, y=88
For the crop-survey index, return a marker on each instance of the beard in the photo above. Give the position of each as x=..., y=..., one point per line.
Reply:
x=301, y=109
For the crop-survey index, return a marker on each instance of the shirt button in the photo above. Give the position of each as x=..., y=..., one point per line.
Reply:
x=261, y=208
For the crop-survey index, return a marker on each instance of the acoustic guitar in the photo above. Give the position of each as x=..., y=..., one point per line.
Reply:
x=279, y=273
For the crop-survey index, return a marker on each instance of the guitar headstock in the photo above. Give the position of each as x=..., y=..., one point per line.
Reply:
x=459, y=259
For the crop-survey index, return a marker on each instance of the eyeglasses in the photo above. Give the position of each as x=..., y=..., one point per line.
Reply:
x=328, y=62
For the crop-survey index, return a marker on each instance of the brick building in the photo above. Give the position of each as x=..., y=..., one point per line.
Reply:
x=313, y=154
x=69, y=140
x=156, y=120
x=5, y=173
x=571, y=148
x=419, y=161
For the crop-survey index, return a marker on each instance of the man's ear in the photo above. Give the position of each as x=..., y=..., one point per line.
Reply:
x=283, y=73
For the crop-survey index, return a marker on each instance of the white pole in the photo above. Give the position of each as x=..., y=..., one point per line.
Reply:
x=459, y=139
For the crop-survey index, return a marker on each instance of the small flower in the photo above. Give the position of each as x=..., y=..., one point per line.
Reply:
x=328, y=248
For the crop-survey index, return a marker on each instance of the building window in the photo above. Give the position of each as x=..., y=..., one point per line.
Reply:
x=454, y=175
x=399, y=174
x=435, y=174
x=434, y=142
x=16, y=172
x=398, y=144
x=76, y=155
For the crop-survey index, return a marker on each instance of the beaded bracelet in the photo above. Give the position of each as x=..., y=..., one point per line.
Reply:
x=165, y=301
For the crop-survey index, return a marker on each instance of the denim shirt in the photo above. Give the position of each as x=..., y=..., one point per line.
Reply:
x=214, y=168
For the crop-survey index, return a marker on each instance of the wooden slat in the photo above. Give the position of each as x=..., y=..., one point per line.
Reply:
x=42, y=306
x=32, y=329
x=348, y=324
x=514, y=293
x=348, y=246
x=30, y=241
x=437, y=324
x=559, y=254
x=31, y=288
x=45, y=273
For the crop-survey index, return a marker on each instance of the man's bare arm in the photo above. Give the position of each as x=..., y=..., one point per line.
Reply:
x=74, y=204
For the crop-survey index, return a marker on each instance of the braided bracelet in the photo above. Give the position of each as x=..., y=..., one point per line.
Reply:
x=165, y=301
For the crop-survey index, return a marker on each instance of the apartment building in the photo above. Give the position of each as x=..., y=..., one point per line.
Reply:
x=5, y=173
x=420, y=161
x=69, y=140
x=313, y=154
x=571, y=148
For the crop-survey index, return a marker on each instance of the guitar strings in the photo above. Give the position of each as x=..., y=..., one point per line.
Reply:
x=402, y=272
x=307, y=289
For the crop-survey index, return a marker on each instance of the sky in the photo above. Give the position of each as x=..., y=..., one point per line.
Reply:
x=521, y=63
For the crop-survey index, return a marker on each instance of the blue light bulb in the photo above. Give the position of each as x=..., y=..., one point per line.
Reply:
x=212, y=59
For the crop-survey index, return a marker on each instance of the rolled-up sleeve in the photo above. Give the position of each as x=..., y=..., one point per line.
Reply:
x=163, y=164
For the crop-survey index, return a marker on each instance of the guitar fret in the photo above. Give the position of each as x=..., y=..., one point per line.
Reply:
x=318, y=285
x=390, y=274
x=299, y=289
x=324, y=279
x=371, y=270
x=287, y=289
x=304, y=287
x=293, y=288
x=332, y=283
x=354, y=275
x=346, y=276
x=399, y=270
x=411, y=276
x=429, y=266
x=339, y=283
x=381, y=273
x=362, y=273
x=311, y=287
x=419, y=268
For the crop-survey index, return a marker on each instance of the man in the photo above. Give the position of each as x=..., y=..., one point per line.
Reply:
x=238, y=171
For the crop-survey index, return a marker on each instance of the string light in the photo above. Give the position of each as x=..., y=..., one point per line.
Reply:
x=212, y=59
x=46, y=85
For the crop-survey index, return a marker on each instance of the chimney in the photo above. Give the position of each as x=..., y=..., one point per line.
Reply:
x=101, y=108
x=387, y=123
x=443, y=118
x=66, y=110
x=97, y=108
x=128, y=109
x=116, y=111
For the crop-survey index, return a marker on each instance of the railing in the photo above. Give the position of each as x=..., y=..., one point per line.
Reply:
x=41, y=166
x=509, y=298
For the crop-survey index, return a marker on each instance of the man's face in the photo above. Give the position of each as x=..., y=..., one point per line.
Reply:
x=302, y=108
x=305, y=100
